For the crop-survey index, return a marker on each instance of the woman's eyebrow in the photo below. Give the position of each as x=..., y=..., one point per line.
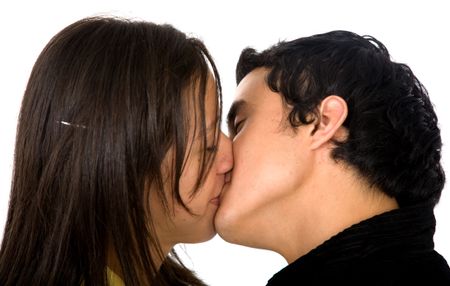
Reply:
x=209, y=128
x=235, y=109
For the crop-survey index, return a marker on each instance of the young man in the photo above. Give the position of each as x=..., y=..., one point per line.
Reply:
x=336, y=164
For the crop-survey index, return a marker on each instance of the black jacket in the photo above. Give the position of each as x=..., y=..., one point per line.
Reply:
x=394, y=248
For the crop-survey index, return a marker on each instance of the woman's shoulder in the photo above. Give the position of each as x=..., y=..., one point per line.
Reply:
x=113, y=278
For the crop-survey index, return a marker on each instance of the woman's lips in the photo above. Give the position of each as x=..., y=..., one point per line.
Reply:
x=215, y=201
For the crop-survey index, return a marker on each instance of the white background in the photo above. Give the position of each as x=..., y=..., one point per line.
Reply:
x=414, y=32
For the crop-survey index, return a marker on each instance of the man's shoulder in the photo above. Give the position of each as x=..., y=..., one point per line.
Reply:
x=421, y=269
x=428, y=268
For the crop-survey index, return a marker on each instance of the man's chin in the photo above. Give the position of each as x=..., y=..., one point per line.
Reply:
x=226, y=228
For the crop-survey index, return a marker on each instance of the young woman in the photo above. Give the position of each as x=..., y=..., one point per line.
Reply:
x=119, y=156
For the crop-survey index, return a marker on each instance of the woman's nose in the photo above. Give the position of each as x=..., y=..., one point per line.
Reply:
x=225, y=155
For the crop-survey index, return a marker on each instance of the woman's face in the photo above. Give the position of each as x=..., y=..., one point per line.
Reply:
x=178, y=225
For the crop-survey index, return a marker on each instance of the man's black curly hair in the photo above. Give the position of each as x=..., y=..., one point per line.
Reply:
x=393, y=137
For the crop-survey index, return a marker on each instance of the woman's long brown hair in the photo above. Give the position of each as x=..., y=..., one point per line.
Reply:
x=105, y=101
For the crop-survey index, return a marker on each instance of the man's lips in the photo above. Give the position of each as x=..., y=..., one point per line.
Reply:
x=227, y=177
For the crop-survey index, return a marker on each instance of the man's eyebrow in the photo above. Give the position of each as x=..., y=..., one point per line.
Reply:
x=236, y=107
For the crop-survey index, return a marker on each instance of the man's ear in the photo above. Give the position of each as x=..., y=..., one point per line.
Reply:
x=332, y=114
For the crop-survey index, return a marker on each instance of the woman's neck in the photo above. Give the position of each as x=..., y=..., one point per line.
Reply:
x=113, y=262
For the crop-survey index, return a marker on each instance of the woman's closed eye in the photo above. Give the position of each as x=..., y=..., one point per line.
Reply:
x=211, y=149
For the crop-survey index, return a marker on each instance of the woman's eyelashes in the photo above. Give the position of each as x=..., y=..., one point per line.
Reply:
x=211, y=149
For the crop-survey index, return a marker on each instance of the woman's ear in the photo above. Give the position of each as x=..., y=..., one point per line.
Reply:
x=332, y=114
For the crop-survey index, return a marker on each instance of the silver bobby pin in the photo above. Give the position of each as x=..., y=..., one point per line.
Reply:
x=72, y=124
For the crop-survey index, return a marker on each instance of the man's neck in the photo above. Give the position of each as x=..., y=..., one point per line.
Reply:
x=335, y=200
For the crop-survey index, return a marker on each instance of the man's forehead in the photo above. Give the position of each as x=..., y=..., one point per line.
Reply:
x=249, y=86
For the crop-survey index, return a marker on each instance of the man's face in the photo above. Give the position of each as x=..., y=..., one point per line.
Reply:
x=270, y=163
